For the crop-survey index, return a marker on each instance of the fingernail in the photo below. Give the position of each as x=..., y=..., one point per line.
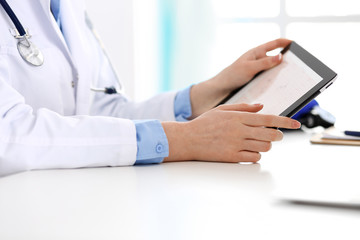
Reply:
x=258, y=104
x=296, y=124
x=277, y=58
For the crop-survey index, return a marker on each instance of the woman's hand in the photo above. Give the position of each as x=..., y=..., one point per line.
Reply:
x=206, y=95
x=249, y=64
x=228, y=133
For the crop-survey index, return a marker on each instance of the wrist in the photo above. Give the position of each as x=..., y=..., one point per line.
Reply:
x=218, y=86
x=206, y=95
x=180, y=147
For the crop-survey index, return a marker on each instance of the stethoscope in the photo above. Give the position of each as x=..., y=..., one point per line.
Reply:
x=32, y=55
x=27, y=50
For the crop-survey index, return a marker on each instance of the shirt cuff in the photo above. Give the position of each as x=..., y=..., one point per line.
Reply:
x=152, y=143
x=182, y=105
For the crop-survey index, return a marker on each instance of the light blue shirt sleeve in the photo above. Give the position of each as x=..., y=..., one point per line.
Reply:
x=182, y=105
x=152, y=143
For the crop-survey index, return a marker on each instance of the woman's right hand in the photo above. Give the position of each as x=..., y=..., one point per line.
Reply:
x=227, y=133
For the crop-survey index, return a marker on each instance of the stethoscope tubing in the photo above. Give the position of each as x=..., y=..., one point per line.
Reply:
x=19, y=27
x=22, y=34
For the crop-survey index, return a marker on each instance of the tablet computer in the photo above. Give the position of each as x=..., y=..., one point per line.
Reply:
x=289, y=86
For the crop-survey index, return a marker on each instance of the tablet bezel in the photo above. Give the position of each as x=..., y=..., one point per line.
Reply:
x=328, y=77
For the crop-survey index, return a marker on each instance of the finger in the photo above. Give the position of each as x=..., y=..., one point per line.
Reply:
x=267, y=63
x=256, y=146
x=258, y=120
x=242, y=107
x=263, y=134
x=248, y=156
x=261, y=50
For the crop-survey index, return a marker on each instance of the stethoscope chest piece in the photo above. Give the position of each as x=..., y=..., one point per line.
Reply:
x=29, y=52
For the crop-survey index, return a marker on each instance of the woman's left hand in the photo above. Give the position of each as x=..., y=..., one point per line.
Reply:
x=249, y=64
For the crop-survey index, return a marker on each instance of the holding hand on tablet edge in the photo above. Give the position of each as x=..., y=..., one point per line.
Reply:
x=227, y=133
x=208, y=94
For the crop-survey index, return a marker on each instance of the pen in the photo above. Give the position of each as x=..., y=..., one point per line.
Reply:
x=352, y=133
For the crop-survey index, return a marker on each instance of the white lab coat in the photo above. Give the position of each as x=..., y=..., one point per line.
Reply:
x=45, y=122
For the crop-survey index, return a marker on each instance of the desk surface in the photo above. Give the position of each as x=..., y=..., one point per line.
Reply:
x=189, y=200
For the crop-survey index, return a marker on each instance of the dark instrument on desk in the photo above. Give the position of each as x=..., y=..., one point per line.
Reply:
x=312, y=115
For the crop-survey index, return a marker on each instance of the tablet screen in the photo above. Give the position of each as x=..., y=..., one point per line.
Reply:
x=279, y=87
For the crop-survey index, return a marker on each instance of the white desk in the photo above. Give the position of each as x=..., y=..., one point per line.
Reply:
x=192, y=200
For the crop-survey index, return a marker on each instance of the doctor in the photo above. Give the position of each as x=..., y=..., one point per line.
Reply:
x=52, y=114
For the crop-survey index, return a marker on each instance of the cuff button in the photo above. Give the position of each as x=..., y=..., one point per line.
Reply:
x=159, y=148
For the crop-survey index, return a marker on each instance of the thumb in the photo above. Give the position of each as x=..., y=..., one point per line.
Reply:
x=243, y=107
x=268, y=62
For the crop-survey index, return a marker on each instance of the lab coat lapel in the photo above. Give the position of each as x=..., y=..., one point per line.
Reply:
x=45, y=4
x=73, y=28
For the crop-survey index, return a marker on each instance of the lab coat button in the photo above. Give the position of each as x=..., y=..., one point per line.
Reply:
x=159, y=148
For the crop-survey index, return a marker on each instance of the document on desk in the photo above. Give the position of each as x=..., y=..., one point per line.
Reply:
x=335, y=136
